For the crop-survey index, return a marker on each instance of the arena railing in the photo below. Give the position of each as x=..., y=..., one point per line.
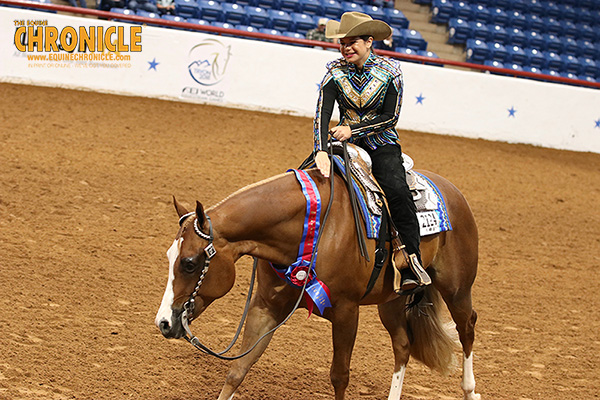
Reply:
x=290, y=40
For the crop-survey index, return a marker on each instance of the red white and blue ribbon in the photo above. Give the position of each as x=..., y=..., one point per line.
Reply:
x=317, y=293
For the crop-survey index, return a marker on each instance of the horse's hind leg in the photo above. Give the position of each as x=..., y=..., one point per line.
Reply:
x=460, y=307
x=393, y=318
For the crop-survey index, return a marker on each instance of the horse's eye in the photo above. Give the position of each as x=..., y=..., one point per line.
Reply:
x=188, y=264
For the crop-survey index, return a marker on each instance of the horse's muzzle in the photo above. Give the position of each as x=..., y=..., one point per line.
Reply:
x=171, y=328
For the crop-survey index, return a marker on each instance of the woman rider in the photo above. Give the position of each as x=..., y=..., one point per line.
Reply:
x=368, y=90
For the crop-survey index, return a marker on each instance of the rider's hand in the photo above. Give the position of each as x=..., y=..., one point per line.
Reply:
x=341, y=132
x=323, y=163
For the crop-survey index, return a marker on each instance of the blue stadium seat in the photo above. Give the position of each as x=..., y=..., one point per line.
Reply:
x=459, y=31
x=441, y=11
x=147, y=14
x=552, y=26
x=406, y=50
x=351, y=6
x=246, y=28
x=332, y=8
x=291, y=34
x=268, y=4
x=462, y=10
x=270, y=31
x=534, y=23
x=210, y=10
x=413, y=39
x=117, y=10
x=198, y=21
x=551, y=9
x=586, y=32
x=375, y=12
x=571, y=64
x=516, y=19
x=312, y=7
x=587, y=49
x=221, y=24
x=584, y=16
x=480, y=31
x=517, y=36
x=551, y=72
x=553, y=43
x=174, y=18
x=518, y=5
x=234, y=14
x=535, y=58
x=570, y=46
x=290, y=6
x=281, y=20
x=258, y=17
x=499, y=17
x=396, y=18
x=186, y=8
x=535, y=40
x=481, y=13
x=516, y=55
x=302, y=23
x=554, y=61
x=498, y=52
x=595, y=14
x=477, y=51
x=498, y=34
x=535, y=70
x=590, y=67
x=513, y=66
x=569, y=29
x=535, y=7
x=568, y=12
x=427, y=53
x=494, y=63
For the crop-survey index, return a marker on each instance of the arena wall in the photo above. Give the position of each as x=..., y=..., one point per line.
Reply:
x=250, y=74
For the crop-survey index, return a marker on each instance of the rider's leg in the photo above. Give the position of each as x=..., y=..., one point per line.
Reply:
x=391, y=176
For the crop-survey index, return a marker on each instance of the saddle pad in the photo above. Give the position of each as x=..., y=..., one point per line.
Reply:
x=431, y=208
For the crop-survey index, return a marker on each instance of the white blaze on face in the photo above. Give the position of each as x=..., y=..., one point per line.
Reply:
x=164, y=312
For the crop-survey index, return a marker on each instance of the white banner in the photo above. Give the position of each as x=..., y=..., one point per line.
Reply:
x=56, y=50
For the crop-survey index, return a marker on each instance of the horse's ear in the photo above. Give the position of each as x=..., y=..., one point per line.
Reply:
x=200, y=213
x=181, y=211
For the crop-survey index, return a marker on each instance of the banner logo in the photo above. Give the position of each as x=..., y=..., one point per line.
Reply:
x=208, y=62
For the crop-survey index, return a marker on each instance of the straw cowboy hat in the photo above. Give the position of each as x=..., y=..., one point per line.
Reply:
x=357, y=24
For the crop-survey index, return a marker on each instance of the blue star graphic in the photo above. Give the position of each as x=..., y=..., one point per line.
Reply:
x=420, y=99
x=511, y=111
x=598, y=123
x=153, y=64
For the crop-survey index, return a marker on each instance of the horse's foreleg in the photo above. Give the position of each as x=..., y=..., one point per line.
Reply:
x=393, y=318
x=344, y=327
x=461, y=309
x=260, y=320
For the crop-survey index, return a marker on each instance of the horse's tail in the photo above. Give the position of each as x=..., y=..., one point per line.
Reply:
x=432, y=341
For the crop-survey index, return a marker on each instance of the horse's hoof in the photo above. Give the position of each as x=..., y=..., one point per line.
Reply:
x=472, y=396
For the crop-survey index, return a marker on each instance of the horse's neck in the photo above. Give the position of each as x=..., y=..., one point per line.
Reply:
x=261, y=219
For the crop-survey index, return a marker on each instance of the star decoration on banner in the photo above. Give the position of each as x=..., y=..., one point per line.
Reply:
x=420, y=99
x=597, y=123
x=511, y=111
x=153, y=64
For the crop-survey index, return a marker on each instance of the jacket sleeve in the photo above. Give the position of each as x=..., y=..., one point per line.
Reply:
x=328, y=93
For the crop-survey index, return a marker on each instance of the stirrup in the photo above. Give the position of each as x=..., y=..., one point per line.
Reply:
x=422, y=275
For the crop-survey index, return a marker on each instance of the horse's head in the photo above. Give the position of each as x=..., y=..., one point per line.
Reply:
x=192, y=285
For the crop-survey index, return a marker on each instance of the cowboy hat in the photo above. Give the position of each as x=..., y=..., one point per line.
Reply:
x=357, y=24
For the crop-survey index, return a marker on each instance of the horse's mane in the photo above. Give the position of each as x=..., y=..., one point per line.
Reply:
x=248, y=187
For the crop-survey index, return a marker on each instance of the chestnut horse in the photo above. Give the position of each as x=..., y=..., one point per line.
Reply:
x=265, y=220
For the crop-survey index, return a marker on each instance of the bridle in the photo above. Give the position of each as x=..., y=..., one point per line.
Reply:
x=209, y=252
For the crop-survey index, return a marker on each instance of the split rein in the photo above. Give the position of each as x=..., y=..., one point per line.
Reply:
x=209, y=252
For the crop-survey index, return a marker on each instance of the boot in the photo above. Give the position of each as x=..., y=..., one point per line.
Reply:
x=409, y=276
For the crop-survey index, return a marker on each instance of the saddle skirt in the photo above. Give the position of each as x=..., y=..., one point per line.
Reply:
x=431, y=208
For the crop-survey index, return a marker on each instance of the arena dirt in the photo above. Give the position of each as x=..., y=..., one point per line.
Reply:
x=86, y=181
